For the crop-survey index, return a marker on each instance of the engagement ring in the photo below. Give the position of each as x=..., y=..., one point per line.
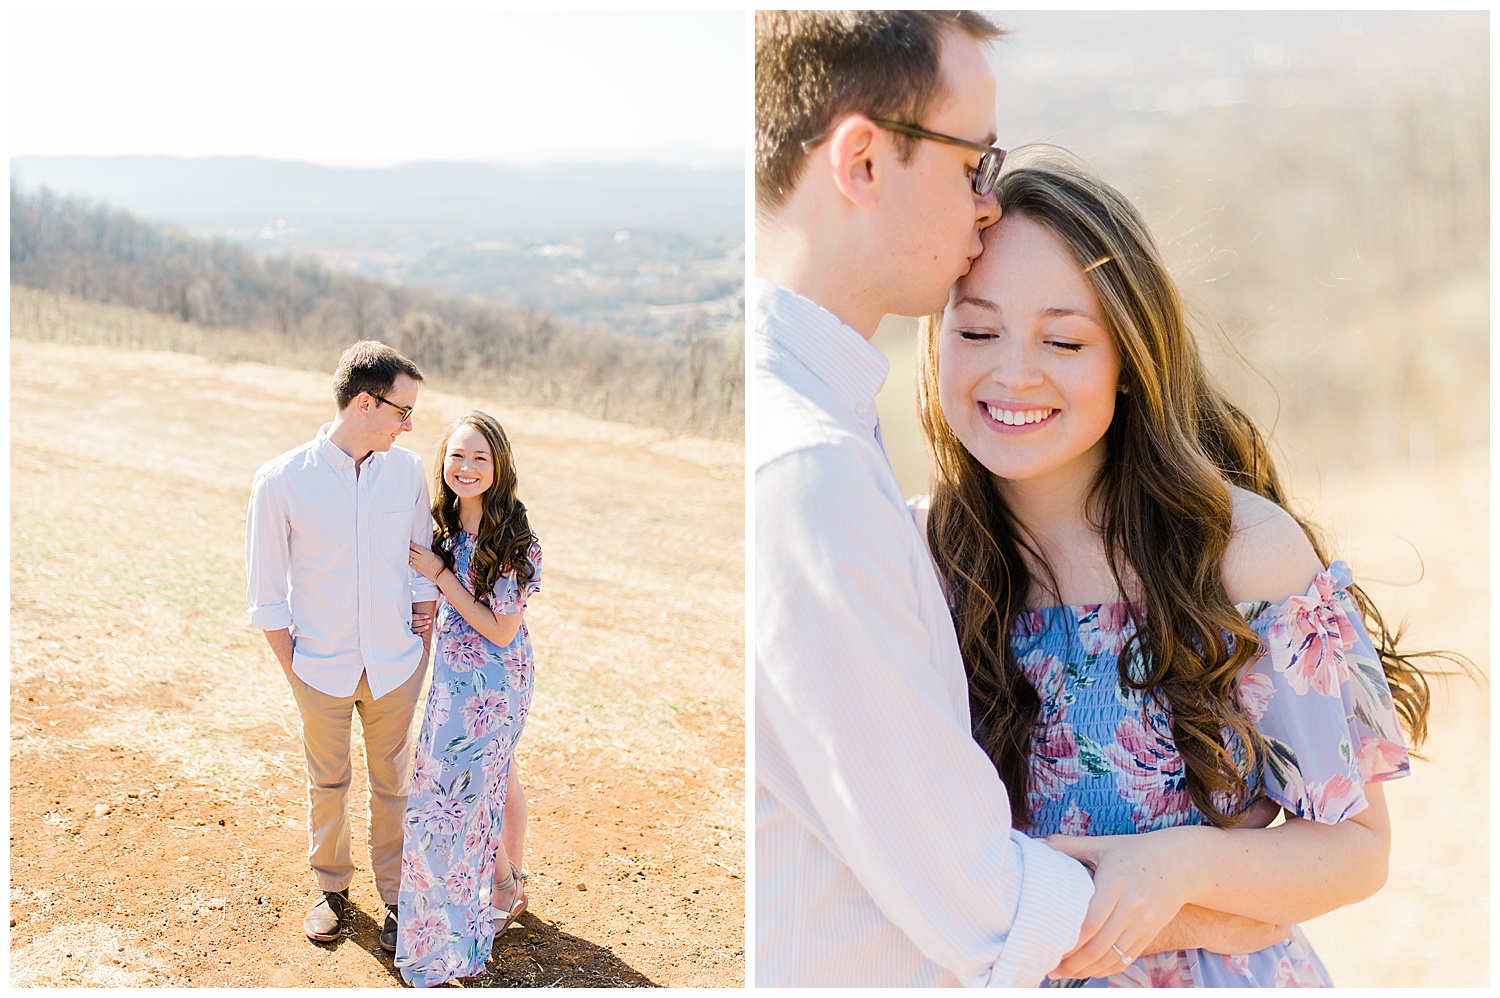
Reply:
x=1126, y=960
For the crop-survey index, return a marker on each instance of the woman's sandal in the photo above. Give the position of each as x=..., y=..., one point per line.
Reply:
x=514, y=878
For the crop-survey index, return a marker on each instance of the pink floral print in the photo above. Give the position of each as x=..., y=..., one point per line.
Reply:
x=1046, y=673
x=1075, y=820
x=1378, y=758
x=457, y=800
x=447, y=965
x=424, y=932
x=439, y=703
x=483, y=713
x=516, y=668
x=463, y=650
x=425, y=771
x=416, y=871
x=1149, y=773
x=493, y=759
x=1236, y=963
x=1054, y=753
x=477, y=831
x=461, y=884
x=1332, y=800
x=1162, y=970
x=1311, y=634
x=1104, y=761
x=442, y=816
x=1254, y=692
x=1054, y=758
x=1104, y=628
x=1292, y=974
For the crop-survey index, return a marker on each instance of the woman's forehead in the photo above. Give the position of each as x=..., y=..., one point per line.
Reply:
x=1023, y=260
x=468, y=437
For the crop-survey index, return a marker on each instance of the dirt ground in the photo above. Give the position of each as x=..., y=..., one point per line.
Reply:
x=158, y=805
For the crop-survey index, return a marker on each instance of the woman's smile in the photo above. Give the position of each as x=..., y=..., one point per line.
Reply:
x=1011, y=419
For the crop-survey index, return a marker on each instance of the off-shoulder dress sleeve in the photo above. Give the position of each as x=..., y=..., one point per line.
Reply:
x=1318, y=695
x=508, y=597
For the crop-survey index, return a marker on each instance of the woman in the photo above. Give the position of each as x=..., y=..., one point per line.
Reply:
x=487, y=563
x=1152, y=640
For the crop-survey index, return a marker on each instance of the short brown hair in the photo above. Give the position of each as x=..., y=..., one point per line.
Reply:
x=812, y=66
x=369, y=366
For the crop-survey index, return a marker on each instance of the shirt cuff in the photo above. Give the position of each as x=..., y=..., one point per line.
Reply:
x=1055, y=894
x=424, y=590
x=272, y=617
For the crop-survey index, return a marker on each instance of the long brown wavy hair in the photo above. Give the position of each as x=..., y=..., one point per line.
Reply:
x=504, y=532
x=1161, y=503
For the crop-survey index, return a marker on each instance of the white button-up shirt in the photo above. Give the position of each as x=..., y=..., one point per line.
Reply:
x=884, y=854
x=327, y=555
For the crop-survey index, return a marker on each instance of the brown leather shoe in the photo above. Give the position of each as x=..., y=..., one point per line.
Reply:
x=325, y=922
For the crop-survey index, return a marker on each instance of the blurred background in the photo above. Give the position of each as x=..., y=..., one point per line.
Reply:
x=1319, y=183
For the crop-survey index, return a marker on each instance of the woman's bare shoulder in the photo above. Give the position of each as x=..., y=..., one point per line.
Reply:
x=1269, y=556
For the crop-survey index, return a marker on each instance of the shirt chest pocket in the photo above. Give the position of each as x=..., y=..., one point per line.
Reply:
x=394, y=539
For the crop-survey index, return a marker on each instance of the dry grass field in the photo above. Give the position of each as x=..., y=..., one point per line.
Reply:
x=157, y=797
x=1417, y=538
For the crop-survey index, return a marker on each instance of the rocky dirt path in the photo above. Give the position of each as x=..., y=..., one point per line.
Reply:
x=157, y=798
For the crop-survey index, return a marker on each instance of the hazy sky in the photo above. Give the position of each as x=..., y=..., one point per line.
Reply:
x=375, y=88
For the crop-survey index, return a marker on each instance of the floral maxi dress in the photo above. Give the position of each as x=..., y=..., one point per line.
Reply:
x=1103, y=761
x=476, y=708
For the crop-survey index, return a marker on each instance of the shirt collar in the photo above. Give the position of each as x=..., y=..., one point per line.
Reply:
x=330, y=452
x=836, y=355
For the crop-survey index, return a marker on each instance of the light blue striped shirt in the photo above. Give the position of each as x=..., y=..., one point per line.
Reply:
x=327, y=555
x=884, y=854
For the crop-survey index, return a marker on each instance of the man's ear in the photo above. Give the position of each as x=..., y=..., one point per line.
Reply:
x=855, y=153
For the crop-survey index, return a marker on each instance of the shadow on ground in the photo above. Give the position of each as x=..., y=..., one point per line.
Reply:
x=532, y=953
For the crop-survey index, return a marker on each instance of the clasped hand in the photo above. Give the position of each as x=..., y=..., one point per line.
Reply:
x=427, y=562
x=1140, y=883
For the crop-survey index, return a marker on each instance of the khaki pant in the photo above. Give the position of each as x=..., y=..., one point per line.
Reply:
x=326, y=725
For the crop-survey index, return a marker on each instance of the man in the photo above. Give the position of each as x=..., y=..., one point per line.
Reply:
x=884, y=850
x=326, y=549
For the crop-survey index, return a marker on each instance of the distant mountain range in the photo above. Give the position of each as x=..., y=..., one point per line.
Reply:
x=444, y=202
x=639, y=247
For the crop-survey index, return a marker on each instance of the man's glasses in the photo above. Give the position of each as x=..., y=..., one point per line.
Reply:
x=403, y=410
x=981, y=178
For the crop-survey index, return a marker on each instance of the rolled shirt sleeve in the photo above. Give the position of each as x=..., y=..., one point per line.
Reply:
x=866, y=734
x=423, y=589
x=267, y=555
